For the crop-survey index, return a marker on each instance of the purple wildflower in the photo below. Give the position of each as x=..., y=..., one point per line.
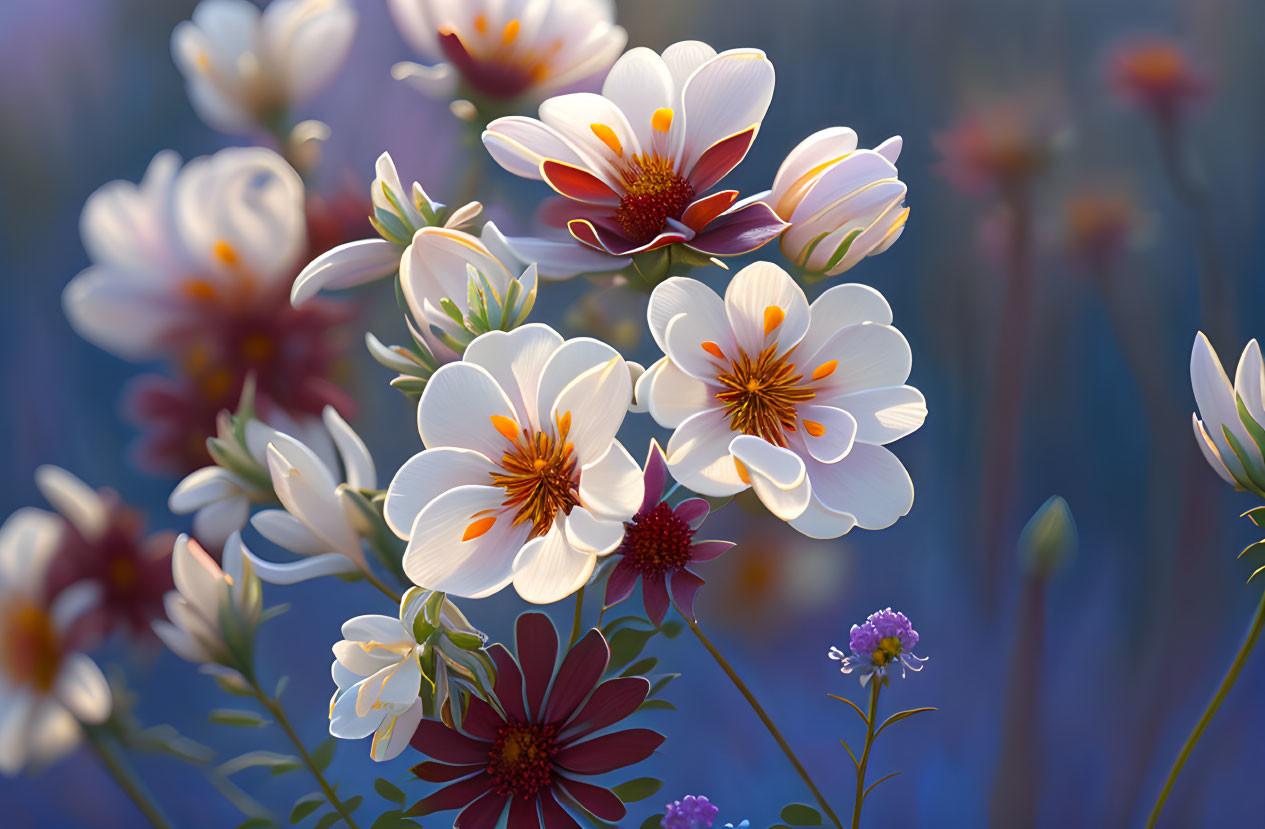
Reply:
x=885, y=637
x=690, y=812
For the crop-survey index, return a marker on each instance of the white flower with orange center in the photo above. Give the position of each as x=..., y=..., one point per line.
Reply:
x=503, y=51
x=220, y=232
x=636, y=161
x=46, y=686
x=792, y=400
x=245, y=68
x=522, y=479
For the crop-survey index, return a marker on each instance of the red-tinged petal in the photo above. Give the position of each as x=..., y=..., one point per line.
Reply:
x=609, y=752
x=613, y=700
x=654, y=592
x=704, y=211
x=655, y=476
x=581, y=670
x=601, y=802
x=555, y=817
x=434, y=739
x=577, y=183
x=481, y=720
x=596, y=236
x=708, y=550
x=495, y=78
x=453, y=797
x=692, y=511
x=537, y=643
x=556, y=211
x=484, y=812
x=685, y=585
x=509, y=683
x=721, y=157
x=740, y=231
x=621, y=582
x=433, y=772
x=523, y=814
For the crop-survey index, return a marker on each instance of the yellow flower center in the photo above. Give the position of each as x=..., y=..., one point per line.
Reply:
x=30, y=648
x=761, y=396
x=539, y=473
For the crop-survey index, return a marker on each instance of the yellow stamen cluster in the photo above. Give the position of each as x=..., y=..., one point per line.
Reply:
x=540, y=474
x=761, y=396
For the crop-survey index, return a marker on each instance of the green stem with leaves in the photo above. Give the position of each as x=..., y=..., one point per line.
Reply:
x=1236, y=667
x=575, y=621
x=764, y=718
x=273, y=707
x=876, y=684
x=118, y=766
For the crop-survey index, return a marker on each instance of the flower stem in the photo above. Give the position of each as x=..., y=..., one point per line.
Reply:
x=125, y=776
x=575, y=622
x=1236, y=667
x=876, y=684
x=273, y=707
x=764, y=718
x=382, y=586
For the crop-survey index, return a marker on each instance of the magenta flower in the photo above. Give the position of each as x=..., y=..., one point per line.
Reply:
x=530, y=749
x=885, y=640
x=659, y=546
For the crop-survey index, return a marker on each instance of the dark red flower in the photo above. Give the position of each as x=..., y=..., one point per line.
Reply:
x=659, y=546
x=529, y=751
x=1156, y=74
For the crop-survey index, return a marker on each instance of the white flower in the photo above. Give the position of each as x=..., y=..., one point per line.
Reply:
x=245, y=68
x=319, y=522
x=398, y=214
x=506, y=50
x=843, y=204
x=553, y=259
x=225, y=228
x=80, y=504
x=46, y=687
x=213, y=613
x=1229, y=424
x=377, y=668
x=793, y=401
x=522, y=479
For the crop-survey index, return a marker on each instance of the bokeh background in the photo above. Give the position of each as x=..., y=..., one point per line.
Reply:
x=1062, y=699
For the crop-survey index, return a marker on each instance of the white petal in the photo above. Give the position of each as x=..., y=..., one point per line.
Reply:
x=435, y=267
x=438, y=559
x=866, y=356
x=214, y=523
x=457, y=408
x=837, y=430
x=639, y=83
x=705, y=310
x=346, y=266
x=73, y=602
x=426, y=476
x=725, y=96
x=284, y=530
x=820, y=521
x=74, y=499
x=28, y=540
x=1215, y=398
x=438, y=81
x=684, y=59
x=312, y=567
x=595, y=404
x=554, y=259
x=521, y=145
x=197, y=577
x=53, y=732
x=82, y=688
x=357, y=463
x=765, y=306
x=203, y=487
x=180, y=642
x=698, y=455
x=777, y=475
x=346, y=724
x=885, y=414
x=805, y=164
x=305, y=488
x=595, y=536
x=548, y=569
x=119, y=313
x=373, y=627
x=839, y=307
x=16, y=710
x=393, y=736
x=673, y=395
x=612, y=487
x=870, y=483
x=572, y=359
x=516, y=359
x=1210, y=451
x=1249, y=381
x=572, y=116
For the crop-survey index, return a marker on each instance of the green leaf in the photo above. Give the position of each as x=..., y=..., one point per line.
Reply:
x=626, y=645
x=671, y=630
x=389, y=791
x=1257, y=516
x=639, y=789
x=281, y=685
x=328, y=820
x=237, y=717
x=641, y=668
x=351, y=804
x=898, y=716
x=855, y=707
x=652, y=822
x=394, y=819
x=660, y=684
x=1255, y=574
x=255, y=759
x=842, y=250
x=608, y=629
x=306, y=805
x=1256, y=479
x=866, y=793
x=233, y=685
x=256, y=823
x=801, y=814
x=656, y=705
x=324, y=754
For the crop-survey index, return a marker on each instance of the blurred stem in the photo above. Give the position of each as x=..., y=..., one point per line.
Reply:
x=378, y=583
x=876, y=684
x=575, y=621
x=126, y=777
x=1236, y=667
x=764, y=718
x=1016, y=785
x=273, y=707
x=476, y=163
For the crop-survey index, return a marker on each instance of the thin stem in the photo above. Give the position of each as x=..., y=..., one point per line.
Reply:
x=764, y=718
x=273, y=707
x=382, y=586
x=125, y=776
x=575, y=622
x=1236, y=667
x=876, y=683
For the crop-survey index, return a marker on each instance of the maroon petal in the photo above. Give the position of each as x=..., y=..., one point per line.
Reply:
x=580, y=672
x=482, y=720
x=621, y=582
x=599, y=801
x=496, y=78
x=596, y=236
x=434, y=739
x=433, y=772
x=555, y=817
x=508, y=688
x=609, y=752
x=523, y=814
x=577, y=183
x=740, y=231
x=720, y=158
x=453, y=797
x=704, y=211
x=654, y=592
x=655, y=476
x=685, y=586
x=708, y=550
x=537, y=643
x=613, y=700
x=692, y=511
x=484, y=812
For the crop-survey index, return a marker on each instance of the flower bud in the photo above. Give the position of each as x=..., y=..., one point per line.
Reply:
x=1049, y=538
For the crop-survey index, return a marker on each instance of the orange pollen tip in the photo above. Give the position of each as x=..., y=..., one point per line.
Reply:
x=773, y=316
x=505, y=426
x=825, y=369
x=225, y=252
x=478, y=528
x=199, y=289
x=661, y=120
x=608, y=137
x=814, y=428
x=743, y=474
x=481, y=23
x=712, y=349
x=511, y=31
x=564, y=423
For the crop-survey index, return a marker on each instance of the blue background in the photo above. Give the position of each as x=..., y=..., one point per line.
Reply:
x=1131, y=637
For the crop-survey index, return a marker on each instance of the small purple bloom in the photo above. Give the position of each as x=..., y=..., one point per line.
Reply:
x=884, y=638
x=690, y=812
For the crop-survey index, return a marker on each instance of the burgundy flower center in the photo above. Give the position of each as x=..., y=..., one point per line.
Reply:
x=521, y=759
x=653, y=193
x=30, y=649
x=761, y=396
x=657, y=541
x=539, y=473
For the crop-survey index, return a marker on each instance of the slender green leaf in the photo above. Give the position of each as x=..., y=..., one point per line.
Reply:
x=848, y=749
x=281, y=685
x=800, y=814
x=389, y=791
x=256, y=823
x=237, y=717
x=1256, y=515
x=232, y=685
x=1254, y=547
x=324, y=753
x=641, y=668
x=876, y=782
x=1255, y=574
x=656, y=705
x=306, y=805
x=254, y=759
x=639, y=789
x=328, y=820
x=855, y=707
x=660, y=684
x=898, y=716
